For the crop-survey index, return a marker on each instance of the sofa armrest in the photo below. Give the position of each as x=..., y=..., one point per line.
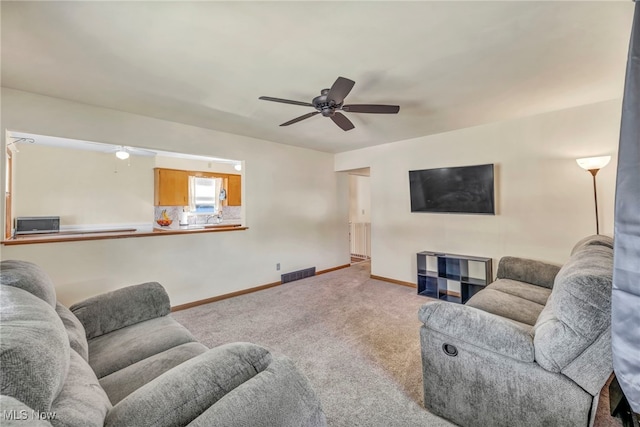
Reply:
x=478, y=328
x=181, y=394
x=120, y=308
x=527, y=270
x=279, y=396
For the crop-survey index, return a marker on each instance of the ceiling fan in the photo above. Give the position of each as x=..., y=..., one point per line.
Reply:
x=331, y=101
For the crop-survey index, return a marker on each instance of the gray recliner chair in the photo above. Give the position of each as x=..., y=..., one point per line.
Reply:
x=532, y=349
x=120, y=359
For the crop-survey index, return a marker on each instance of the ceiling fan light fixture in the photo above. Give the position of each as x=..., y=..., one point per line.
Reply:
x=122, y=154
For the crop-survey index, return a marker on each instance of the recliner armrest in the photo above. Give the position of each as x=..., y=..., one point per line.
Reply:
x=120, y=308
x=527, y=270
x=183, y=393
x=478, y=328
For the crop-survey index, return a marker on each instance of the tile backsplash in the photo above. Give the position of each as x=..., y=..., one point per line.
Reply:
x=228, y=212
x=231, y=212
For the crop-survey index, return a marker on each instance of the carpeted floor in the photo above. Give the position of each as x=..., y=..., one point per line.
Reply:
x=355, y=338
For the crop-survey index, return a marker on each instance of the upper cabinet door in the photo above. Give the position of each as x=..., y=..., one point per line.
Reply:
x=171, y=187
x=234, y=190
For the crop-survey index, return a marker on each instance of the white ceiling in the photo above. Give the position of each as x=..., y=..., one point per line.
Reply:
x=448, y=64
x=22, y=138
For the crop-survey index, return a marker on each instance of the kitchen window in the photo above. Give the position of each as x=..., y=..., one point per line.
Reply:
x=204, y=194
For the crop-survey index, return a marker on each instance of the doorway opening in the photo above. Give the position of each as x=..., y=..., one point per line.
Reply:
x=359, y=215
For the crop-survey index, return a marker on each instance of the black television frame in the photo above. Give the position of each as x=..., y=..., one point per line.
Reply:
x=458, y=190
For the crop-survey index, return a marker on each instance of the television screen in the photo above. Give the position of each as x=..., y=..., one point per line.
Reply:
x=466, y=189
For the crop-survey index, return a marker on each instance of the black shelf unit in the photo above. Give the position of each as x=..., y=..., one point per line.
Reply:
x=438, y=273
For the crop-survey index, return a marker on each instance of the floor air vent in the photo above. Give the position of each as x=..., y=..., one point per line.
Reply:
x=297, y=275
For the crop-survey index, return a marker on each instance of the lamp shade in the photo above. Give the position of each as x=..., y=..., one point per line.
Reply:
x=589, y=163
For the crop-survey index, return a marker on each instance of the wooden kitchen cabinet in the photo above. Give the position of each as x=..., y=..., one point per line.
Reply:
x=171, y=187
x=234, y=190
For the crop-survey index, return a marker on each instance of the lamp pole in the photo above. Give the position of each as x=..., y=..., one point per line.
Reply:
x=593, y=165
x=595, y=197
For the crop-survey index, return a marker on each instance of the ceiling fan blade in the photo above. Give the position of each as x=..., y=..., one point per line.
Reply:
x=342, y=121
x=371, y=108
x=286, y=101
x=297, y=119
x=340, y=89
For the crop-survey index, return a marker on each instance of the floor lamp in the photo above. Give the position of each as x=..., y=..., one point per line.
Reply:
x=593, y=165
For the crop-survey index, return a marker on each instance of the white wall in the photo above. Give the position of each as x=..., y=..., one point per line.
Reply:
x=296, y=209
x=359, y=198
x=194, y=165
x=544, y=200
x=82, y=187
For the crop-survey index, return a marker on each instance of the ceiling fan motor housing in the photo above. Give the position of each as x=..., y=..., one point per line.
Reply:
x=325, y=106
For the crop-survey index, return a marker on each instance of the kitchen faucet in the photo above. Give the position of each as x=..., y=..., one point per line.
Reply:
x=217, y=217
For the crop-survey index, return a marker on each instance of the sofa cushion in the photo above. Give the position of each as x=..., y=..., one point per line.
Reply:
x=537, y=294
x=527, y=270
x=506, y=305
x=121, y=308
x=119, y=349
x=578, y=310
x=75, y=330
x=30, y=277
x=82, y=402
x=34, y=349
x=120, y=384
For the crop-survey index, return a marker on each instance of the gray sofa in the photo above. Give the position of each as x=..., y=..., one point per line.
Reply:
x=531, y=349
x=119, y=359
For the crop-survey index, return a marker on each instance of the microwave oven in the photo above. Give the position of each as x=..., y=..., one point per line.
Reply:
x=37, y=224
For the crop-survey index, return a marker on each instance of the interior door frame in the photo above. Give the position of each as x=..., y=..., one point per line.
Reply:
x=7, y=194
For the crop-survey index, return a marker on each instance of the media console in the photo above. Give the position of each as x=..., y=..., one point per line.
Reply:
x=450, y=277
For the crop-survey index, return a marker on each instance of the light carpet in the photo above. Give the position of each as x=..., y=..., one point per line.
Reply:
x=355, y=338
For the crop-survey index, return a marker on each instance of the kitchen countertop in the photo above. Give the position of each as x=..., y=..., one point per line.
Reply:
x=198, y=227
x=81, y=235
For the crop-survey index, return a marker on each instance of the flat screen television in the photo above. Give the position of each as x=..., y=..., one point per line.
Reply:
x=466, y=189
